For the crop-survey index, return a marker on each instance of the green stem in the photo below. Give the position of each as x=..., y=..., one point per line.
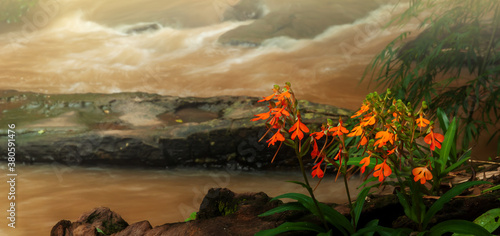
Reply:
x=350, y=202
x=309, y=189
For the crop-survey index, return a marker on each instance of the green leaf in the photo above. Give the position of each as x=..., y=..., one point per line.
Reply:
x=299, y=183
x=449, y=141
x=456, y=164
x=329, y=233
x=291, y=226
x=336, y=219
x=491, y=189
x=406, y=206
x=438, y=205
x=306, y=201
x=191, y=217
x=458, y=226
x=489, y=220
x=290, y=206
x=100, y=231
x=360, y=201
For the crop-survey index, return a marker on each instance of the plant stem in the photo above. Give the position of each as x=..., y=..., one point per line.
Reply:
x=350, y=202
x=309, y=189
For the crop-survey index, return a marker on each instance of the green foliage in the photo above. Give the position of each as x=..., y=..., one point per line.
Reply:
x=191, y=217
x=415, y=208
x=489, y=221
x=100, y=231
x=13, y=10
x=453, y=64
x=458, y=226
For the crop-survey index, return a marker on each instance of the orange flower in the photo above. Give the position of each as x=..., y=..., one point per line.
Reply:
x=422, y=173
x=363, y=141
x=262, y=116
x=317, y=171
x=382, y=170
x=365, y=161
x=339, y=130
x=315, y=150
x=267, y=98
x=356, y=131
x=299, y=127
x=434, y=139
x=384, y=137
x=368, y=120
x=278, y=112
x=389, y=152
x=276, y=137
x=363, y=109
x=422, y=122
x=284, y=95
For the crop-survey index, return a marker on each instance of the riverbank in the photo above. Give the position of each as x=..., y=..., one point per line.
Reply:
x=146, y=130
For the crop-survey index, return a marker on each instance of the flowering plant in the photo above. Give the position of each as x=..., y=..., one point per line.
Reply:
x=388, y=137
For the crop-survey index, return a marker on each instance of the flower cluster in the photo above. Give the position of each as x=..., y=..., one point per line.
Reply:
x=392, y=131
x=385, y=129
x=282, y=112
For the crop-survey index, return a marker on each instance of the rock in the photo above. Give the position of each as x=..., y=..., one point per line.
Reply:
x=147, y=130
x=104, y=219
x=244, y=10
x=142, y=28
x=239, y=218
x=62, y=228
x=224, y=212
x=303, y=20
x=139, y=228
x=101, y=218
x=217, y=202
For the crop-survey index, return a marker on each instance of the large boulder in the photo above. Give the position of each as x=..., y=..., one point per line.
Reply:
x=138, y=129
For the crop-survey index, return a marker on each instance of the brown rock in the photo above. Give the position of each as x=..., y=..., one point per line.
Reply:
x=139, y=228
x=104, y=219
x=84, y=230
x=62, y=228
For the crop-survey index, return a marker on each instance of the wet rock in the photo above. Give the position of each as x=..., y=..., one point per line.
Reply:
x=142, y=28
x=303, y=20
x=148, y=130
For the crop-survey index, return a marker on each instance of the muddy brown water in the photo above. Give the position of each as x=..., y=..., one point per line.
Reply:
x=46, y=194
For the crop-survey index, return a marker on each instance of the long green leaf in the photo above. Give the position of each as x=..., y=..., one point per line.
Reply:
x=458, y=226
x=491, y=189
x=438, y=205
x=360, y=201
x=336, y=219
x=489, y=220
x=455, y=165
x=449, y=141
x=306, y=201
x=290, y=206
x=291, y=226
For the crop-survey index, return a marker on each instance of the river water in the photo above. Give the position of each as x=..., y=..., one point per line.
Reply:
x=79, y=46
